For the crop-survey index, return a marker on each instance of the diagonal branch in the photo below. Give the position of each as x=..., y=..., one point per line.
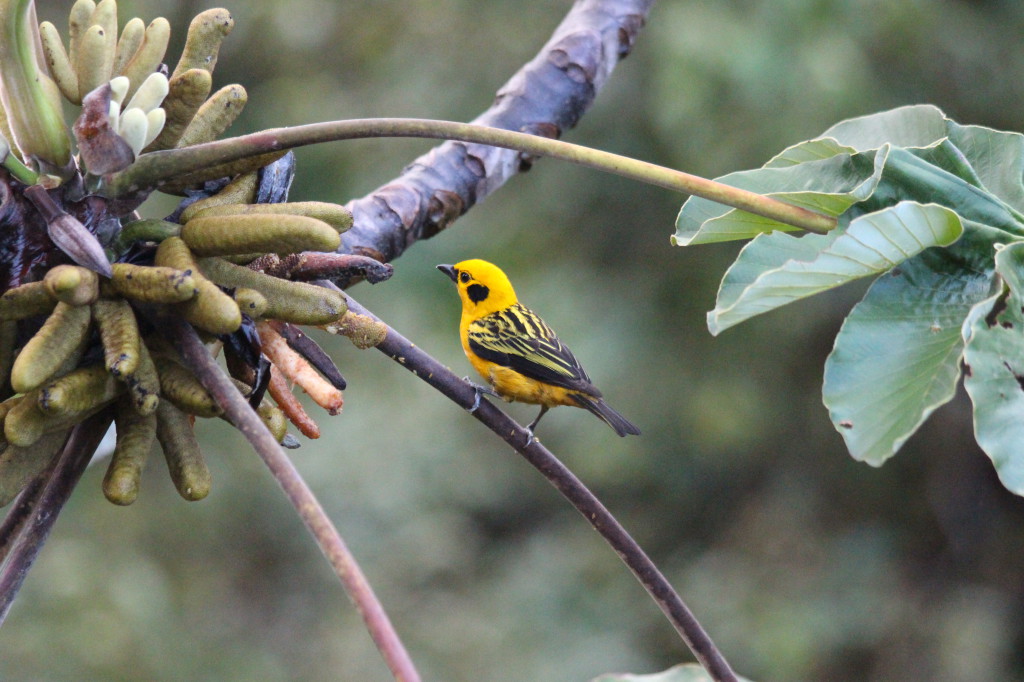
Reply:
x=462, y=393
x=236, y=408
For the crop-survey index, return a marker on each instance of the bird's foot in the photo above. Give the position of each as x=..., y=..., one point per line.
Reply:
x=478, y=391
x=531, y=439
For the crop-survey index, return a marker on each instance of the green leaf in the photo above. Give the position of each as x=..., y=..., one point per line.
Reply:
x=689, y=672
x=897, y=355
x=777, y=269
x=919, y=125
x=810, y=150
x=839, y=182
x=994, y=358
x=996, y=156
x=919, y=175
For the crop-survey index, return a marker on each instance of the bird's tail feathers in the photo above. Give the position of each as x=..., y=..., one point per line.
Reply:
x=609, y=416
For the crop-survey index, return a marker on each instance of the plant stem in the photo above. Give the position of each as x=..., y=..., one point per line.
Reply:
x=18, y=170
x=412, y=358
x=29, y=96
x=151, y=169
x=44, y=503
x=198, y=359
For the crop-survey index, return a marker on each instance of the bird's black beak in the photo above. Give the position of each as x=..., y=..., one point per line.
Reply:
x=448, y=270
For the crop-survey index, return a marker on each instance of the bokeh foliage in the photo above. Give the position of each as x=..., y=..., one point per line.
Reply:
x=802, y=563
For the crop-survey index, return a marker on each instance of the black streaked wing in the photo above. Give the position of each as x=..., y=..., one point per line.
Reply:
x=518, y=339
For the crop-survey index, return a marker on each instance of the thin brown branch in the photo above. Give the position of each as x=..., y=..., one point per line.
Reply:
x=198, y=359
x=414, y=359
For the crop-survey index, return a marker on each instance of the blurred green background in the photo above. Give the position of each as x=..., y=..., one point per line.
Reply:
x=802, y=564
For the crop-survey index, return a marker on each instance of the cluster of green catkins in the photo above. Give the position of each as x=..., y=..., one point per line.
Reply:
x=197, y=271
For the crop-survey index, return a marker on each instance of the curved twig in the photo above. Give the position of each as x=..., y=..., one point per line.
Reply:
x=236, y=408
x=414, y=359
x=152, y=168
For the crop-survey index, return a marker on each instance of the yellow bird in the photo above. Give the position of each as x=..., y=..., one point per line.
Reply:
x=519, y=355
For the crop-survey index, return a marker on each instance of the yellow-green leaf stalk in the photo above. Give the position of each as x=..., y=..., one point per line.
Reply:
x=29, y=96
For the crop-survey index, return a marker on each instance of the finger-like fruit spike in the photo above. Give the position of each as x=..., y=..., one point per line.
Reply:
x=132, y=129
x=150, y=94
x=251, y=302
x=79, y=392
x=149, y=55
x=258, y=233
x=144, y=384
x=95, y=60
x=184, y=459
x=335, y=215
x=186, y=93
x=135, y=436
x=155, y=120
x=57, y=61
x=131, y=39
x=79, y=21
x=145, y=230
x=215, y=116
x=211, y=310
x=119, y=332
x=27, y=300
x=297, y=369
x=240, y=191
x=275, y=420
x=153, y=284
x=119, y=90
x=296, y=302
x=290, y=405
x=205, y=34
x=72, y=284
x=182, y=388
x=61, y=336
x=105, y=15
x=26, y=423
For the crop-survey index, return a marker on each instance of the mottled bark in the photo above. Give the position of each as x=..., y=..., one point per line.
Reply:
x=546, y=97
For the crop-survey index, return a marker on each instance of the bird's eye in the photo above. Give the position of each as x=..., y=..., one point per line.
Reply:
x=463, y=277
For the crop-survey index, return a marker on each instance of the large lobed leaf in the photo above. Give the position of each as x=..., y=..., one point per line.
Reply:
x=897, y=356
x=924, y=204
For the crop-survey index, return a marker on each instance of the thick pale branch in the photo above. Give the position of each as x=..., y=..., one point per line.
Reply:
x=547, y=96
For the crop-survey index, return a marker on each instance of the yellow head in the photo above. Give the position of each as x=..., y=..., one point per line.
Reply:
x=483, y=287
